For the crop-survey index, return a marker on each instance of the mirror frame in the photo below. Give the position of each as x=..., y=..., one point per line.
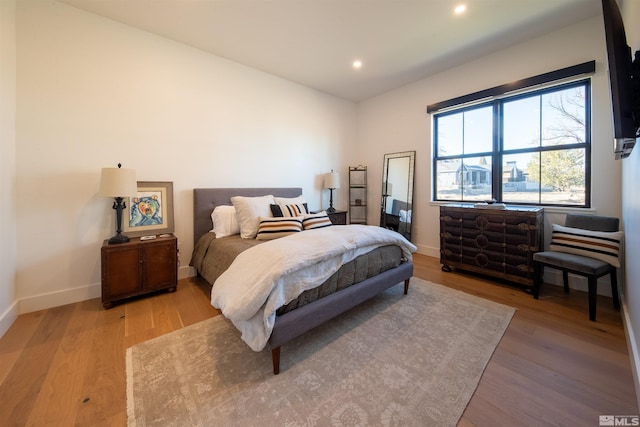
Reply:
x=389, y=220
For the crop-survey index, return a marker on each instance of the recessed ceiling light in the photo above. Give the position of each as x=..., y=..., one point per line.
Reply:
x=357, y=64
x=460, y=9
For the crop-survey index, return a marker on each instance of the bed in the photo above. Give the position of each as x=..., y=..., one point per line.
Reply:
x=303, y=313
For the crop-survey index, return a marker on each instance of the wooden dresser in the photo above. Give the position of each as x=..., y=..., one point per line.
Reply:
x=494, y=242
x=138, y=267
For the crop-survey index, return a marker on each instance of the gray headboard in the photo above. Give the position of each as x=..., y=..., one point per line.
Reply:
x=205, y=199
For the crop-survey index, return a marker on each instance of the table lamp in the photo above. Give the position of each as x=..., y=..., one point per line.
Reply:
x=118, y=183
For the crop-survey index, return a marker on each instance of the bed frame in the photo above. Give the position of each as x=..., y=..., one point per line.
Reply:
x=296, y=322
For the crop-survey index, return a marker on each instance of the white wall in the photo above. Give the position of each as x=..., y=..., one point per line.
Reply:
x=92, y=93
x=397, y=120
x=631, y=217
x=8, y=308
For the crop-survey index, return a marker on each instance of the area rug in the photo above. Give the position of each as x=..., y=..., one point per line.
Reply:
x=395, y=360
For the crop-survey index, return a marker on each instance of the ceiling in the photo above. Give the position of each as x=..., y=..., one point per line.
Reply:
x=314, y=42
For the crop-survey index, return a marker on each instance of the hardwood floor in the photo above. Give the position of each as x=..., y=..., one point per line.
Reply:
x=66, y=366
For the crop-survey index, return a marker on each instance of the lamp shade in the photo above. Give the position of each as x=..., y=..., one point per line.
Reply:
x=118, y=182
x=332, y=180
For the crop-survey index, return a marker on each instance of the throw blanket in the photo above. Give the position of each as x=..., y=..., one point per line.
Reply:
x=268, y=276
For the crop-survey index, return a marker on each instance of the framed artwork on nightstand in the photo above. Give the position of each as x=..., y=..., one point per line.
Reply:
x=150, y=211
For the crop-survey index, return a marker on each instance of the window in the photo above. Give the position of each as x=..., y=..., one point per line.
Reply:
x=531, y=149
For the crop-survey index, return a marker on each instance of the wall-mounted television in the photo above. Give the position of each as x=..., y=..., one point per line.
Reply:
x=624, y=78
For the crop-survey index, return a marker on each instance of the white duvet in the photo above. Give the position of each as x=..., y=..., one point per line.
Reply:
x=267, y=276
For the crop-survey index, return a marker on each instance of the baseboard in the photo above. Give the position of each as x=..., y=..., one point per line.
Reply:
x=632, y=346
x=554, y=277
x=69, y=296
x=58, y=298
x=429, y=251
x=8, y=317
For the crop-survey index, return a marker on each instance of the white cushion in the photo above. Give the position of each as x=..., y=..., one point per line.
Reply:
x=225, y=222
x=405, y=216
x=289, y=210
x=273, y=228
x=290, y=200
x=249, y=210
x=316, y=220
x=601, y=245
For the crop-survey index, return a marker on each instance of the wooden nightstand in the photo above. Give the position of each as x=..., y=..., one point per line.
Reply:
x=338, y=217
x=138, y=267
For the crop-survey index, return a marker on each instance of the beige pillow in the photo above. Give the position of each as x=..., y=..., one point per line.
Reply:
x=225, y=221
x=249, y=210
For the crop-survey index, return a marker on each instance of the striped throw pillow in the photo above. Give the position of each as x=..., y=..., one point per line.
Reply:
x=273, y=228
x=601, y=245
x=317, y=220
x=297, y=209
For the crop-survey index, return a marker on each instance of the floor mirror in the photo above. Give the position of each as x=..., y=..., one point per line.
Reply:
x=397, y=192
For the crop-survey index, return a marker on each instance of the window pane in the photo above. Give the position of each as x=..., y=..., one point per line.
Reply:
x=520, y=178
x=447, y=185
x=478, y=130
x=450, y=135
x=563, y=177
x=475, y=178
x=521, y=123
x=563, y=117
x=537, y=165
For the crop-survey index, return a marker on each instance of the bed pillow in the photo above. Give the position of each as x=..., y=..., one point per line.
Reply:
x=601, y=245
x=290, y=200
x=225, y=221
x=270, y=228
x=405, y=216
x=316, y=220
x=249, y=210
x=289, y=210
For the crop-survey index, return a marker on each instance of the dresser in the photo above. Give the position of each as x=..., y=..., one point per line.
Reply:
x=138, y=267
x=493, y=242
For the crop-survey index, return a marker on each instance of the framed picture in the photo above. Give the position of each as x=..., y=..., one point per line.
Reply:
x=151, y=211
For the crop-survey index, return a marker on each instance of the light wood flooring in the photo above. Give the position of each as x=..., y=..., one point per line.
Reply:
x=66, y=366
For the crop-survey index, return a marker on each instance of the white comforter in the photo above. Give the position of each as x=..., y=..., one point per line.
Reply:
x=267, y=276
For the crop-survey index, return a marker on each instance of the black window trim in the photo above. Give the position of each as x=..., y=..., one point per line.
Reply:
x=586, y=68
x=498, y=153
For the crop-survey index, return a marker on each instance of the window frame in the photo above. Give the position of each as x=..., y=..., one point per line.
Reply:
x=498, y=152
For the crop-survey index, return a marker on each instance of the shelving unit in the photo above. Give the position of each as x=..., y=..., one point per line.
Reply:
x=357, y=194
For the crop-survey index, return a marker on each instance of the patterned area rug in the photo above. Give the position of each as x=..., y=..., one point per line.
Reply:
x=395, y=360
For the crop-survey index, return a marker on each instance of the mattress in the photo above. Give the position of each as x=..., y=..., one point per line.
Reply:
x=211, y=257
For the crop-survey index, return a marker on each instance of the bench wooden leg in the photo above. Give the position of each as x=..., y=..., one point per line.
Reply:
x=275, y=358
x=593, y=295
x=538, y=270
x=614, y=288
x=406, y=286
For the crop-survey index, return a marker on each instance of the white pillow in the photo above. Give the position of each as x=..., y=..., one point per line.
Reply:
x=316, y=220
x=601, y=245
x=249, y=210
x=225, y=222
x=405, y=216
x=290, y=200
x=273, y=228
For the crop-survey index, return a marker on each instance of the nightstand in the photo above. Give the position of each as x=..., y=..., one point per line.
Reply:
x=338, y=217
x=138, y=267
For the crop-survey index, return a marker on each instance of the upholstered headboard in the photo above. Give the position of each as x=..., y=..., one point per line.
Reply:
x=398, y=205
x=205, y=199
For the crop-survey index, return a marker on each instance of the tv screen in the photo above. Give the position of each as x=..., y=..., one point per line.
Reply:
x=625, y=98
